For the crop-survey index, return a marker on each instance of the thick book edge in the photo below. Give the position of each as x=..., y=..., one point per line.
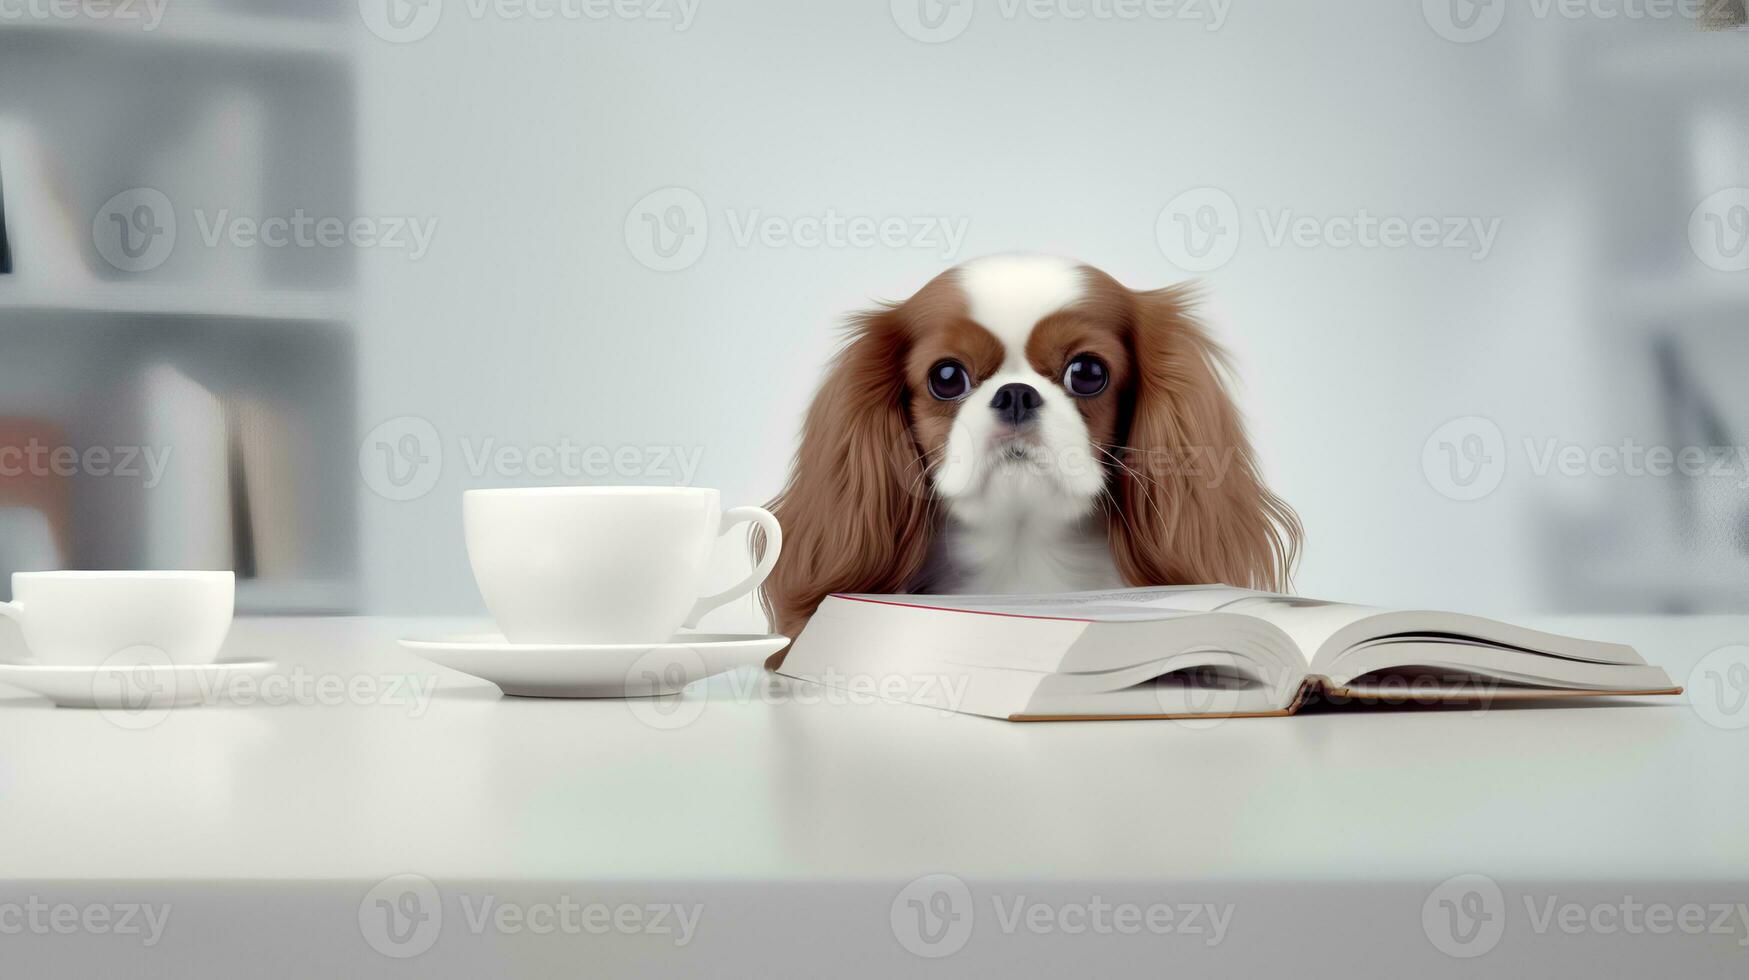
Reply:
x=1308, y=687
x=1515, y=694
x=1321, y=686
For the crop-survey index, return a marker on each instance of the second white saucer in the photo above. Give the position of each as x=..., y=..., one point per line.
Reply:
x=595, y=670
x=132, y=687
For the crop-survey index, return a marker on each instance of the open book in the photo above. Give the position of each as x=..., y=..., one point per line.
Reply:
x=1188, y=651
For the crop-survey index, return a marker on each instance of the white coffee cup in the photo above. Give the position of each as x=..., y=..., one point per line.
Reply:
x=602, y=564
x=85, y=618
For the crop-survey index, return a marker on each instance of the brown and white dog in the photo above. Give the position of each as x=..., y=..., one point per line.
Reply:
x=1024, y=424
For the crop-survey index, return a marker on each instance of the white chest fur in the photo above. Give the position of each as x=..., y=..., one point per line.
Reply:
x=1021, y=555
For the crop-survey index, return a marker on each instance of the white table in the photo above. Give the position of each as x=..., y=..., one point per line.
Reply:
x=791, y=823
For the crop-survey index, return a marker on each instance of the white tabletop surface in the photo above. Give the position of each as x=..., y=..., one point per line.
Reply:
x=750, y=776
x=748, y=780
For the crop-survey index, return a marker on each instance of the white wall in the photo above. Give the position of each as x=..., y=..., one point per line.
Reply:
x=530, y=319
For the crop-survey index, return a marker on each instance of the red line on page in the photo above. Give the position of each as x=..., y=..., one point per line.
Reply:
x=975, y=612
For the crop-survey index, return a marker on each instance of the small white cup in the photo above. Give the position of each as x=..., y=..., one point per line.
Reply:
x=85, y=618
x=602, y=564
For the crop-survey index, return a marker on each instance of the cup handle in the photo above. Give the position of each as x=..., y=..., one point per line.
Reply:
x=773, y=544
x=12, y=610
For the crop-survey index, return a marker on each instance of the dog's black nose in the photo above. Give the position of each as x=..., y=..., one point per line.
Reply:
x=1016, y=403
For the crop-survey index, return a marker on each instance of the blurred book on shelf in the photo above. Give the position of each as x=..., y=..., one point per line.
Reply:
x=275, y=522
x=5, y=248
x=36, y=501
x=188, y=521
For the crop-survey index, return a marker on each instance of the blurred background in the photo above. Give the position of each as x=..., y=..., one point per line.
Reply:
x=282, y=278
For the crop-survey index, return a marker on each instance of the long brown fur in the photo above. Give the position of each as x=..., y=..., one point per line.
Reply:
x=854, y=512
x=1184, y=520
x=857, y=510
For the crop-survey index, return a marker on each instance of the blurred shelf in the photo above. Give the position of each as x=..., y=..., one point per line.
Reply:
x=270, y=597
x=142, y=299
x=190, y=27
x=1668, y=300
x=1679, y=61
x=1639, y=585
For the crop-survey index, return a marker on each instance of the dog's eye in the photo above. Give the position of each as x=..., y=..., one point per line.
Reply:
x=949, y=382
x=1086, y=376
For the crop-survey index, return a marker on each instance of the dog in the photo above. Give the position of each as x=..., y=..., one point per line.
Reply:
x=1024, y=424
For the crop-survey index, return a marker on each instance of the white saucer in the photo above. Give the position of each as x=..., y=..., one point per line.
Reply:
x=595, y=670
x=130, y=687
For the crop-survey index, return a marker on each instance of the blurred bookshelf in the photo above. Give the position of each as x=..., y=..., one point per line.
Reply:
x=196, y=30
x=235, y=363
x=244, y=306
x=1669, y=325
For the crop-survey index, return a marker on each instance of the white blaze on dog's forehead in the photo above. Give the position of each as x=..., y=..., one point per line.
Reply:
x=1009, y=294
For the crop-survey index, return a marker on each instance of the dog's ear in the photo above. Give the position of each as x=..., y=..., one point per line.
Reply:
x=1194, y=506
x=855, y=511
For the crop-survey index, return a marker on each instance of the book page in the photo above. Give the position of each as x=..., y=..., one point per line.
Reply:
x=1308, y=622
x=1118, y=605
